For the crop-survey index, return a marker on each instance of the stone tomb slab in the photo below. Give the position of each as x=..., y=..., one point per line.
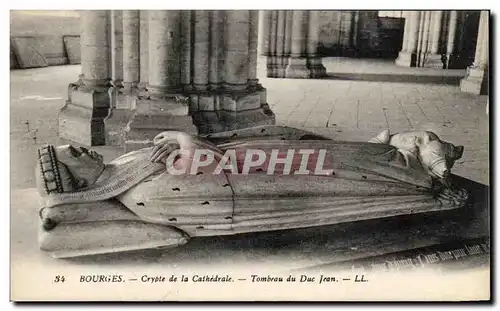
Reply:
x=28, y=52
x=72, y=47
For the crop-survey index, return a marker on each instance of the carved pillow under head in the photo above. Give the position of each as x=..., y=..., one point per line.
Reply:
x=66, y=169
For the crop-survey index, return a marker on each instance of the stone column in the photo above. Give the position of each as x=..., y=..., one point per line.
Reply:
x=201, y=49
x=476, y=80
x=236, y=65
x=82, y=118
x=293, y=44
x=428, y=37
x=131, y=51
x=253, y=41
x=297, y=66
x=163, y=107
x=143, y=49
x=234, y=98
x=190, y=71
x=185, y=49
x=407, y=56
x=272, y=58
x=281, y=53
x=433, y=57
x=164, y=67
x=124, y=97
x=315, y=65
x=452, y=29
x=424, y=35
x=263, y=32
x=116, y=37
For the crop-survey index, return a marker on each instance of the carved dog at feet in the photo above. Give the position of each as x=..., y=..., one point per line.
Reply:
x=437, y=156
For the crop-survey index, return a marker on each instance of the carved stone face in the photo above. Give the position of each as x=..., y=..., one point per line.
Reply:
x=84, y=165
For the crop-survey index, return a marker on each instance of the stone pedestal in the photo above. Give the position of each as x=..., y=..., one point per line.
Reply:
x=476, y=81
x=406, y=59
x=152, y=116
x=82, y=118
x=305, y=68
x=119, y=115
x=230, y=110
x=433, y=60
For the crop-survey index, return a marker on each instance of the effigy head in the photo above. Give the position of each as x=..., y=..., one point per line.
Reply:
x=67, y=169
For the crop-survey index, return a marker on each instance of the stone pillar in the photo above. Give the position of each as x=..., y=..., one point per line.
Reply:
x=164, y=35
x=407, y=56
x=452, y=30
x=424, y=39
x=314, y=62
x=273, y=59
x=476, y=79
x=281, y=53
x=263, y=32
x=234, y=98
x=253, y=42
x=116, y=37
x=143, y=49
x=131, y=52
x=163, y=107
x=82, y=118
x=185, y=49
x=124, y=97
x=293, y=44
x=433, y=58
x=192, y=71
x=201, y=51
x=297, y=63
x=428, y=39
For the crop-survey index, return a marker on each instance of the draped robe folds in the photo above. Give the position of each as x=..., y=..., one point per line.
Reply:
x=118, y=176
x=368, y=179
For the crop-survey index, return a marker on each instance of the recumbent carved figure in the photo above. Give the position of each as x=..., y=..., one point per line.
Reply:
x=149, y=198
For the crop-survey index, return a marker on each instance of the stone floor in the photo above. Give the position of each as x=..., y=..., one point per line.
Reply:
x=348, y=107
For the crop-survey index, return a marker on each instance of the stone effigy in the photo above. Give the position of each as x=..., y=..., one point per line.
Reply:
x=259, y=179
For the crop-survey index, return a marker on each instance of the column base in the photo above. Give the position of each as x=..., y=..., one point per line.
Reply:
x=276, y=66
x=316, y=67
x=406, y=59
x=305, y=68
x=153, y=116
x=433, y=61
x=81, y=120
x=119, y=116
x=227, y=111
x=476, y=81
x=452, y=61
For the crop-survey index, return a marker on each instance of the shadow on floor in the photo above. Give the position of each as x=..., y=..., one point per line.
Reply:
x=398, y=78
